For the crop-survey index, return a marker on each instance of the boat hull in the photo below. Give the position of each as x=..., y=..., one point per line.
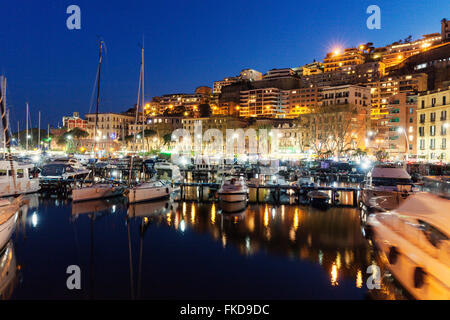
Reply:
x=318, y=199
x=93, y=193
x=141, y=194
x=382, y=199
x=23, y=186
x=7, y=225
x=405, y=261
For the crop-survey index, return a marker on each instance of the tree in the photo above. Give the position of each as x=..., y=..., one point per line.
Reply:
x=204, y=110
x=74, y=135
x=167, y=138
x=330, y=129
x=381, y=155
x=77, y=134
x=359, y=153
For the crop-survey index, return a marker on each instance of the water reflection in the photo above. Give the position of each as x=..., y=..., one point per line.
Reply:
x=8, y=271
x=125, y=242
x=326, y=238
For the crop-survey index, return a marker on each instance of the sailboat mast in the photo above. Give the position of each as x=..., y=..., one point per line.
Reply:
x=98, y=93
x=26, y=138
x=39, y=131
x=136, y=130
x=143, y=107
x=7, y=136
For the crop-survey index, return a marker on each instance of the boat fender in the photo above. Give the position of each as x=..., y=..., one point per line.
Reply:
x=393, y=255
x=167, y=190
x=419, y=277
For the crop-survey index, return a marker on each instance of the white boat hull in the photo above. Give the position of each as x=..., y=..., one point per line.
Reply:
x=436, y=285
x=92, y=193
x=23, y=186
x=233, y=202
x=143, y=193
x=7, y=225
x=382, y=199
x=233, y=197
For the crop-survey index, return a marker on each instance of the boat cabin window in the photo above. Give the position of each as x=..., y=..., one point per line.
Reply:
x=390, y=182
x=432, y=234
x=3, y=173
x=20, y=173
x=164, y=173
x=53, y=170
x=69, y=169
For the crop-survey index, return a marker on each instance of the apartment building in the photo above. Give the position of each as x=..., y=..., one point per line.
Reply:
x=246, y=74
x=301, y=101
x=160, y=125
x=189, y=101
x=279, y=73
x=74, y=122
x=340, y=123
x=397, y=52
x=354, y=74
x=433, y=122
x=110, y=126
x=388, y=86
x=266, y=102
x=338, y=59
x=445, y=30
x=401, y=126
x=346, y=94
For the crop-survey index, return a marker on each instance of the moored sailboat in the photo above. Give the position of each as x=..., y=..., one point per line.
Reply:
x=145, y=191
x=97, y=190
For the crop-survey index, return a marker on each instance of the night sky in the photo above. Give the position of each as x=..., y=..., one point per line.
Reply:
x=188, y=43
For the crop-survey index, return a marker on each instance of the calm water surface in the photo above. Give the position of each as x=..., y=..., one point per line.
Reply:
x=186, y=250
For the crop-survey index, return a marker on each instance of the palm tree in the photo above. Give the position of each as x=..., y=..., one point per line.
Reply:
x=167, y=138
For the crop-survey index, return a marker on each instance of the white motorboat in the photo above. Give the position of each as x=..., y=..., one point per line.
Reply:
x=62, y=171
x=24, y=182
x=414, y=243
x=70, y=161
x=233, y=195
x=386, y=187
x=97, y=191
x=149, y=191
x=169, y=172
x=8, y=218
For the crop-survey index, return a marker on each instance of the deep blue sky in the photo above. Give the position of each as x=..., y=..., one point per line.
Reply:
x=188, y=43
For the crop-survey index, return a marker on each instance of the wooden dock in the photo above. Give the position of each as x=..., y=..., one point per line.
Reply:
x=277, y=191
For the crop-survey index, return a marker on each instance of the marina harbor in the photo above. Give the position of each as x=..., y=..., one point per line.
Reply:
x=225, y=159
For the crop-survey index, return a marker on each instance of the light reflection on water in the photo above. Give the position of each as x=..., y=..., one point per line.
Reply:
x=169, y=249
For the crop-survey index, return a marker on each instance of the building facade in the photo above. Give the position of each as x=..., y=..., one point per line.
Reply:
x=433, y=125
x=402, y=126
x=267, y=102
x=74, y=122
x=337, y=59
